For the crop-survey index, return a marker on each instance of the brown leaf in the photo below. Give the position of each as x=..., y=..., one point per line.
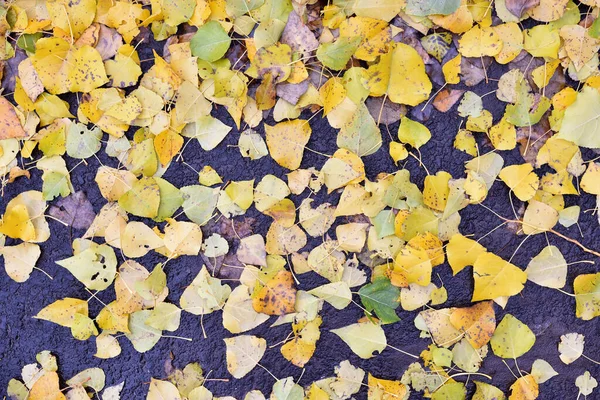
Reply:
x=472, y=69
x=298, y=36
x=291, y=92
x=518, y=7
x=389, y=114
x=446, y=99
x=109, y=41
x=531, y=139
x=75, y=210
x=11, y=71
x=16, y=172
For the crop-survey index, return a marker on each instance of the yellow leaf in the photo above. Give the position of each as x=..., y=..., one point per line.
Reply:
x=465, y=141
x=275, y=60
x=72, y=17
x=17, y=224
x=20, y=260
x=462, y=252
x=590, y=181
x=431, y=244
x=503, y=135
x=286, y=142
x=477, y=322
x=282, y=240
x=578, y=44
x=35, y=205
x=114, y=183
x=512, y=42
x=413, y=132
x=46, y=388
x=415, y=265
x=521, y=179
x=548, y=10
x=541, y=75
x=62, y=312
x=436, y=190
x=525, y=388
x=138, y=239
x=143, y=199
x=441, y=329
x=587, y=296
x=481, y=123
x=451, y=70
x=401, y=75
x=382, y=389
x=243, y=354
x=277, y=297
x=479, y=42
x=539, y=217
x=332, y=93
x=124, y=70
x=398, y=151
x=167, y=144
x=459, y=21
x=375, y=34
x=495, y=277
x=10, y=125
x=541, y=41
x=299, y=350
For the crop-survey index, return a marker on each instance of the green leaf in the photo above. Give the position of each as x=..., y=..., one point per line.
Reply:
x=580, y=122
x=403, y=192
x=450, y=391
x=170, y=199
x=153, y=286
x=381, y=297
x=273, y=10
x=384, y=223
x=199, y=203
x=485, y=391
x=165, y=316
x=211, y=42
x=142, y=336
x=176, y=12
x=95, y=267
x=385, y=10
x=360, y=134
x=336, y=55
x=512, y=338
x=337, y=294
x=422, y=8
x=286, y=389
x=527, y=111
x=413, y=133
x=237, y=8
x=55, y=184
x=83, y=142
x=27, y=41
x=363, y=338
x=548, y=268
x=593, y=31
x=143, y=199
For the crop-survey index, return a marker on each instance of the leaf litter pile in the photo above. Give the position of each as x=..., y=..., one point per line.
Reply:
x=313, y=233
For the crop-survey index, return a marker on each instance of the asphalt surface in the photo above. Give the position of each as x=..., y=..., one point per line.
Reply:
x=547, y=312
